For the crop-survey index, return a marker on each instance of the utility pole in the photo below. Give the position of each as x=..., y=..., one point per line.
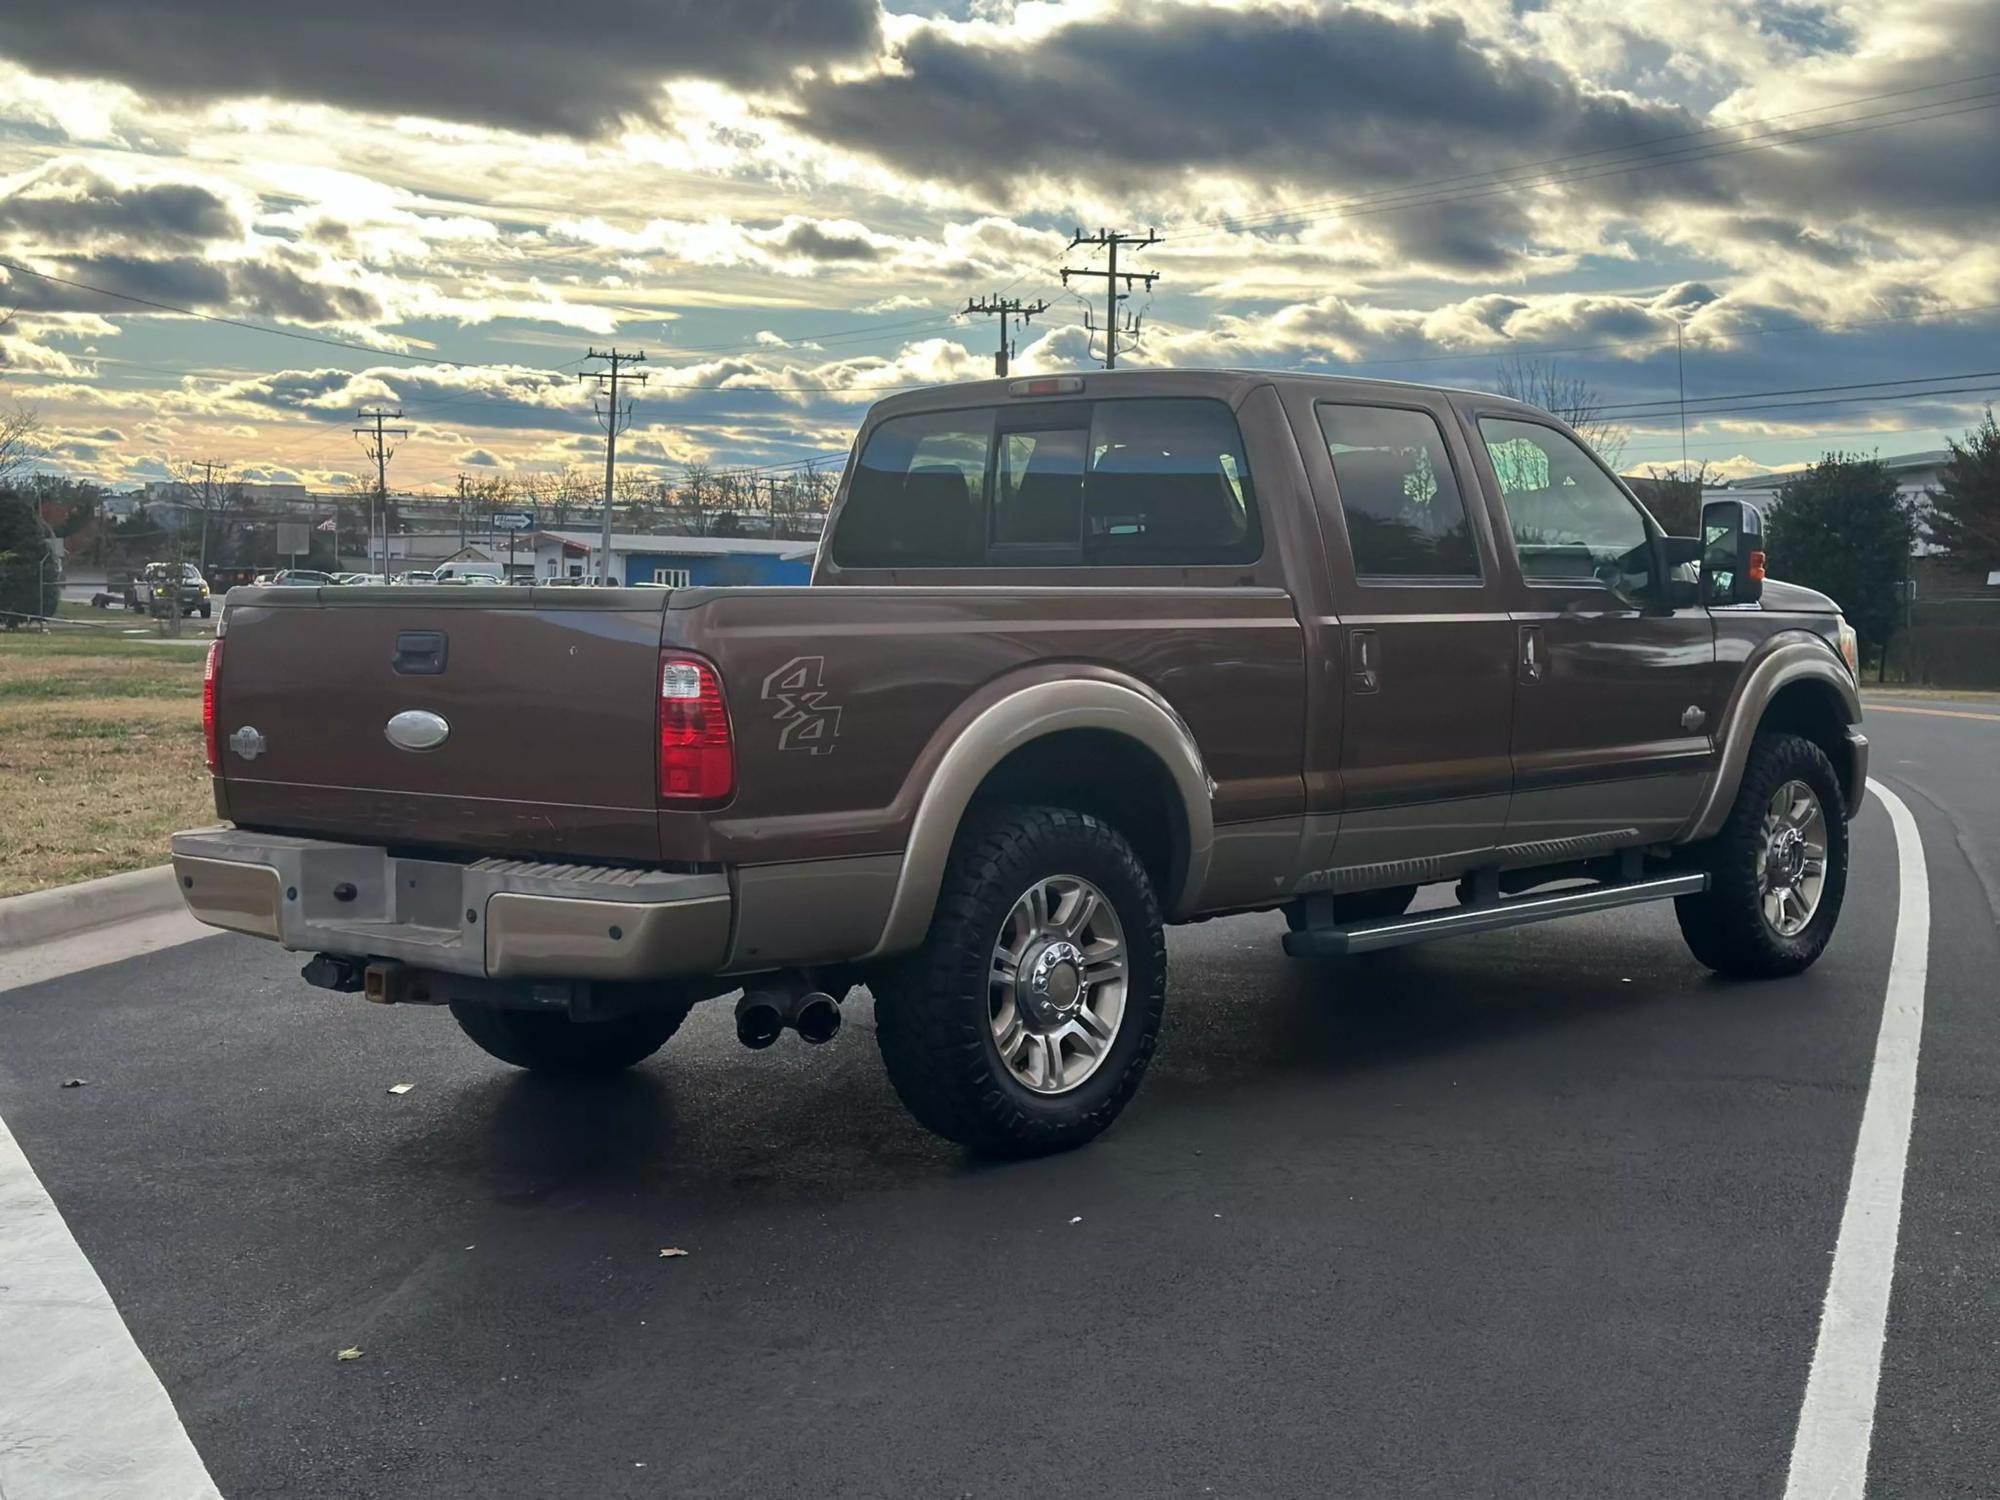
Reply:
x=614, y=419
x=377, y=444
x=461, y=510
x=208, y=466
x=1004, y=308
x=1110, y=240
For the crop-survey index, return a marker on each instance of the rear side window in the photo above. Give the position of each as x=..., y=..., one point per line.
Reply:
x=1405, y=518
x=917, y=496
x=1105, y=483
x=1168, y=484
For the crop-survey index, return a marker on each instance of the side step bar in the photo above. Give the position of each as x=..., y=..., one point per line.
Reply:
x=1366, y=937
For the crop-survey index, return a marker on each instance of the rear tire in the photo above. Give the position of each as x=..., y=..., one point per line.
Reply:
x=1755, y=920
x=551, y=1043
x=1042, y=976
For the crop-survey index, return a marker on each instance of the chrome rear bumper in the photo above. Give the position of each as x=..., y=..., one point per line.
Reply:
x=492, y=918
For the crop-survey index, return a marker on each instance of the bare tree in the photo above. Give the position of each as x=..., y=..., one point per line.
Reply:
x=20, y=439
x=1543, y=383
x=1674, y=496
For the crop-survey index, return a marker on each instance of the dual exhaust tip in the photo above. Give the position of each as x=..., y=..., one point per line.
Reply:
x=762, y=1016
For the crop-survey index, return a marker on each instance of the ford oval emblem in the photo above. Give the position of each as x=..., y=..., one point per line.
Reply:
x=417, y=729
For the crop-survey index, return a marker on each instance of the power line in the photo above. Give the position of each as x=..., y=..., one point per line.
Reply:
x=1362, y=199
x=1728, y=411
x=1630, y=408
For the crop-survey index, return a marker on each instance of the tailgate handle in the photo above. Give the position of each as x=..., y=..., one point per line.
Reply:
x=419, y=653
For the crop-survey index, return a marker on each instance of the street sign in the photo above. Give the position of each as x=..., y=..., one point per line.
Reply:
x=512, y=520
x=294, y=538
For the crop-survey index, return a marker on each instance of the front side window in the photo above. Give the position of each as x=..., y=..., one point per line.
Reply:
x=1571, y=523
x=1405, y=518
x=916, y=496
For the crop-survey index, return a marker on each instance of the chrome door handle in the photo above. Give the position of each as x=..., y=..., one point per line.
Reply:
x=1532, y=663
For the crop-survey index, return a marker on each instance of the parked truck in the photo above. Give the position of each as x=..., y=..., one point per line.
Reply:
x=1082, y=657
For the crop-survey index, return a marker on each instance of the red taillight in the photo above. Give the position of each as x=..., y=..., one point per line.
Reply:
x=211, y=739
x=697, y=759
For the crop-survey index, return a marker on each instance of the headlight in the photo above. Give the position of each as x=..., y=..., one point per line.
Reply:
x=1850, y=646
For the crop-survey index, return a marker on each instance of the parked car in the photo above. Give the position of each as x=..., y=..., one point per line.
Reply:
x=149, y=589
x=416, y=575
x=297, y=578
x=479, y=573
x=1082, y=656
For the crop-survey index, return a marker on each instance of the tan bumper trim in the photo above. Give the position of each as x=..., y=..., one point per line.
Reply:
x=546, y=935
x=242, y=898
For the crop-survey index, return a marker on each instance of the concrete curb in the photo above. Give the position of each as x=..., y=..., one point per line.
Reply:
x=41, y=916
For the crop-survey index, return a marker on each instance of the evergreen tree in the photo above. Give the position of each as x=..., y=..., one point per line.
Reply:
x=1843, y=528
x=1964, y=519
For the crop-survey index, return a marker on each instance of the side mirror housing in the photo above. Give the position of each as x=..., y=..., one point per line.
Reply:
x=1732, y=552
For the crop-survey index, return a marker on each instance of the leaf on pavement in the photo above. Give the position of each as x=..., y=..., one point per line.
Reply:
x=72, y=1083
x=401, y=1088
x=348, y=1353
x=672, y=1252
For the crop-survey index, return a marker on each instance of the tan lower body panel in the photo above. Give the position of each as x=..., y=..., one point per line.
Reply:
x=543, y=935
x=239, y=897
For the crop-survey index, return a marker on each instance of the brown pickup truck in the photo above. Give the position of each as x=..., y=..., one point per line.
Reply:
x=1082, y=656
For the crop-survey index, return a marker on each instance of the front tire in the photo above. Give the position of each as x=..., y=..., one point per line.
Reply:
x=1777, y=870
x=551, y=1043
x=1025, y=1022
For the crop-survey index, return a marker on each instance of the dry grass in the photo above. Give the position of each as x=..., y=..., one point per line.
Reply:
x=100, y=756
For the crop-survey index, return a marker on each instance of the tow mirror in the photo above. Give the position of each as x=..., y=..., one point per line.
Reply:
x=1732, y=555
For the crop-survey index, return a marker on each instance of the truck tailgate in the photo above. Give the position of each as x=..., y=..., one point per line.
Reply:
x=548, y=698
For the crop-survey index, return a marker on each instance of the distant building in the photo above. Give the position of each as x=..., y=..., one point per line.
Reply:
x=682, y=561
x=1916, y=475
x=678, y=560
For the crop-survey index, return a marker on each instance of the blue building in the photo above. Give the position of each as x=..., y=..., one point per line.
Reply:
x=683, y=561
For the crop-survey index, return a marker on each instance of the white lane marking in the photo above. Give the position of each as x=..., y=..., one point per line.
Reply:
x=1830, y=1452
x=82, y=1415
x=101, y=945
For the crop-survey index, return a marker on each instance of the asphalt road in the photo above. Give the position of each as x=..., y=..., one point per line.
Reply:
x=1544, y=1213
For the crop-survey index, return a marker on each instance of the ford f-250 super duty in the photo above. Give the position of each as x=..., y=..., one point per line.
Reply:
x=1082, y=656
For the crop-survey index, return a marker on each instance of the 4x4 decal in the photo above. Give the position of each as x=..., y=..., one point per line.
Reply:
x=808, y=721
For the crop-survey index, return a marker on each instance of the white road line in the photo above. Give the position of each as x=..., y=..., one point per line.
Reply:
x=1830, y=1453
x=82, y=1415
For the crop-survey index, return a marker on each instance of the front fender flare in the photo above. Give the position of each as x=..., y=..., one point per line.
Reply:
x=1801, y=657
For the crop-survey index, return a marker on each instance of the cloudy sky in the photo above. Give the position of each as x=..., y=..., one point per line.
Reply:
x=784, y=203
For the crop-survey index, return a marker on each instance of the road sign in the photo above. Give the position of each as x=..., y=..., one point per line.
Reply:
x=512, y=520
x=294, y=538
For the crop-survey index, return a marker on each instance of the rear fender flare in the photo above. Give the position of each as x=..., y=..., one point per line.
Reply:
x=1019, y=718
x=1794, y=657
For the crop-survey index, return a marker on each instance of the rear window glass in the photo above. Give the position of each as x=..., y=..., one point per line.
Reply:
x=1398, y=493
x=916, y=499
x=1103, y=483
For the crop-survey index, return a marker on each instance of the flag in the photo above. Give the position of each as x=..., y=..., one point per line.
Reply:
x=327, y=524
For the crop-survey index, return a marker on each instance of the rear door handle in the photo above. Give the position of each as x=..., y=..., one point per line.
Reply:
x=1534, y=654
x=419, y=653
x=1365, y=660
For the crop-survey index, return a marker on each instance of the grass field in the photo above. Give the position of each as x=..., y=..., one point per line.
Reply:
x=100, y=754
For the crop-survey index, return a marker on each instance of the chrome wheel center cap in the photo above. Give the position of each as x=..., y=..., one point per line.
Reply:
x=1787, y=859
x=1055, y=983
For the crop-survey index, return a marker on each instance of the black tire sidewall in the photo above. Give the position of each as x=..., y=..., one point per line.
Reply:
x=1725, y=925
x=933, y=1007
x=1091, y=857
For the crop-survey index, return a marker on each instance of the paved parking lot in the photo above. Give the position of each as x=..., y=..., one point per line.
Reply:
x=1540, y=1213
